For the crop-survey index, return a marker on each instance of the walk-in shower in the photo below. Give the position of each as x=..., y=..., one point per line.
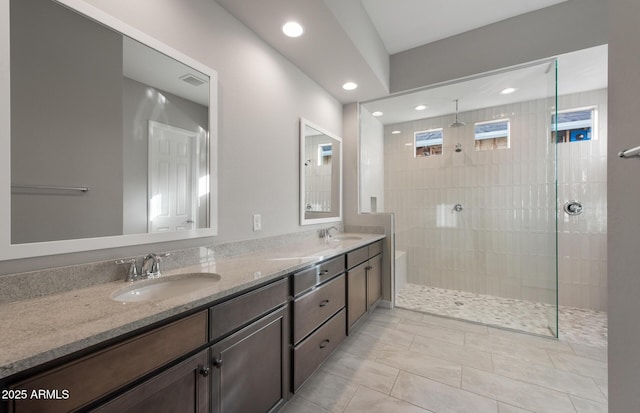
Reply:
x=476, y=203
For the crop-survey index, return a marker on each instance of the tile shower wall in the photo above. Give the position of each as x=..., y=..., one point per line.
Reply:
x=502, y=242
x=582, y=239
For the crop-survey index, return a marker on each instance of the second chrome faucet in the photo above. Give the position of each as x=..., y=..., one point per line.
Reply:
x=150, y=267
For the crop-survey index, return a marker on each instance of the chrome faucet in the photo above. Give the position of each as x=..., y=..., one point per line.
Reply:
x=150, y=267
x=132, y=274
x=326, y=233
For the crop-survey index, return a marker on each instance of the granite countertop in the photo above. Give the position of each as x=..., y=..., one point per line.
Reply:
x=39, y=330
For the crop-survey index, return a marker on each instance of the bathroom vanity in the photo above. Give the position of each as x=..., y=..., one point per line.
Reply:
x=242, y=345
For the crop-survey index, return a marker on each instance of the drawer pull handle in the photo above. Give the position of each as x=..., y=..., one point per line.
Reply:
x=217, y=363
x=323, y=303
x=369, y=268
x=204, y=371
x=325, y=343
x=323, y=272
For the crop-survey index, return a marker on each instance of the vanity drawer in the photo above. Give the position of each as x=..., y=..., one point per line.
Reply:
x=315, y=349
x=358, y=256
x=233, y=314
x=316, y=275
x=375, y=248
x=95, y=376
x=312, y=309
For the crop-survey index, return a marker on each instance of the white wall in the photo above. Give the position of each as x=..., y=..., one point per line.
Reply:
x=565, y=27
x=371, y=162
x=261, y=98
x=624, y=204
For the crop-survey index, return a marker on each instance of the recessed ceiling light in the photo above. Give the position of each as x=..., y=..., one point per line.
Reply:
x=292, y=29
x=395, y=132
x=421, y=107
x=507, y=91
x=349, y=86
x=377, y=113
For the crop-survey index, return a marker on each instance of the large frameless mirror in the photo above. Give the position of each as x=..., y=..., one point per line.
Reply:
x=111, y=138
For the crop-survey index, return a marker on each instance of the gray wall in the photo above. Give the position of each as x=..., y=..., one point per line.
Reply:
x=261, y=97
x=623, y=207
x=565, y=27
x=139, y=107
x=75, y=139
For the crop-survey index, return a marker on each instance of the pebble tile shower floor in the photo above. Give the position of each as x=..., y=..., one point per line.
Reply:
x=401, y=361
x=575, y=324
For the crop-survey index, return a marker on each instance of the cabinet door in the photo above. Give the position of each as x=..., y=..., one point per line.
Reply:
x=374, y=280
x=250, y=367
x=357, y=293
x=182, y=388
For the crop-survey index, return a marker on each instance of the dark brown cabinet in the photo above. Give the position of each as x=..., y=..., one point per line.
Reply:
x=357, y=290
x=374, y=280
x=102, y=373
x=250, y=367
x=183, y=388
x=364, y=281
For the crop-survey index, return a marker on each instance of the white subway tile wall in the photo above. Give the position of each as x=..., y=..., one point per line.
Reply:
x=502, y=242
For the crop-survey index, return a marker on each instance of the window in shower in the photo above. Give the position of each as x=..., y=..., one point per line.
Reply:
x=493, y=134
x=574, y=125
x=428, y=142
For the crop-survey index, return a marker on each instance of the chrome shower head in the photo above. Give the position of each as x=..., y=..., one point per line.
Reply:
x=457, y=123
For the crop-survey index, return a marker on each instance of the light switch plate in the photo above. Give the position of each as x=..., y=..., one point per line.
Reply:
x=257, y=222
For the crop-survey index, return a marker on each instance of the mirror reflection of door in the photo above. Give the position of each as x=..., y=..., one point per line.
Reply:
x=172, y=169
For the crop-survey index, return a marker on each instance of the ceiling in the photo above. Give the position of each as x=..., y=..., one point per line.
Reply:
x=401, y=23
x=346, y=40
x=577, y=72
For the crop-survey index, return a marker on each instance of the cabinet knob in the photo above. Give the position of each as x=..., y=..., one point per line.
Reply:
x=323, y=272
x=325, y=343
x=217, y=363
x=323, y=303
x=204, y=371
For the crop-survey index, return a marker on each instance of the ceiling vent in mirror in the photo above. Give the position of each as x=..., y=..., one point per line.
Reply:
x=192, y=80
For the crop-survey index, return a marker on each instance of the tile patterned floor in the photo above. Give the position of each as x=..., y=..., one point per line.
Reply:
x=575, y=325
x=403, y=361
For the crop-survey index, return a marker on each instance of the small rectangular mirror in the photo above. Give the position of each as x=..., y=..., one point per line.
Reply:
x=320, y=175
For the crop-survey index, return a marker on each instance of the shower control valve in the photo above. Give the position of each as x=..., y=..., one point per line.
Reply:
x=458, y=207
x=573, y=207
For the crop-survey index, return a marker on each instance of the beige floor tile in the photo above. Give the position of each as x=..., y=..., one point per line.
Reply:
x=361, y=371
x=579, y=365
x=507, y=408
x=328, y=391
x=300, y=405
x=517, y=393
x=387, y=335
x=592, y=352
x=423, y=365
x=507, y=347
x=371, y=401
x=365, y=346
x=546, y=343
x=433, y=331
x=455, y=324
x=603, y=385
x=453, y=352
x=548, y=377
x=438, y=397
x=588, y=406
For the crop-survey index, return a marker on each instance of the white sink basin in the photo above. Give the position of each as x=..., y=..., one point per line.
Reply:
x=345, y=238
x=162, y=288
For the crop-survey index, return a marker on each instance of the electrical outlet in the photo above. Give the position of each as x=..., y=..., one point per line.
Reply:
x=257, y=222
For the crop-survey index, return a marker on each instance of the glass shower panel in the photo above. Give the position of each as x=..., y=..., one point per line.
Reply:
x=477, y=221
